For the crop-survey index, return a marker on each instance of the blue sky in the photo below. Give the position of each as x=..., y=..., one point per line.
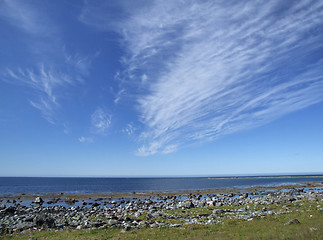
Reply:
x=160, y=88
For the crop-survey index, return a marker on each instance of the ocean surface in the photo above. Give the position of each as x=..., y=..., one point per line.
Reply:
x=18, y=185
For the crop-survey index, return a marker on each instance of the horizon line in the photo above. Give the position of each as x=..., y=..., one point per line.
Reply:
x=304, y=174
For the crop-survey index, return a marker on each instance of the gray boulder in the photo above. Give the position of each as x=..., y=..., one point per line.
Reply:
x=186, y=204
x=44, y=221
x=113, y=222
x=39, y=200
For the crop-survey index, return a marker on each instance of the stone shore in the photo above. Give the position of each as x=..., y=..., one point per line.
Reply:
x=150, y=211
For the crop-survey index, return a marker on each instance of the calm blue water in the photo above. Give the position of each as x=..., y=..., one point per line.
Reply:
x=14, y=185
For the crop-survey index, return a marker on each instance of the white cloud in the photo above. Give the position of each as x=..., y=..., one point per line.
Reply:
x=129, y=130
x=214, y=67
x=101, y=121
x=23, y=15
x=119, y=95
x=80, y=64
x=46, y=107
x=85, y=139
x=66, y=129
x=53, y=69
x=46, y=82
x=217, y=68
x=151, y=149
x=144, y=78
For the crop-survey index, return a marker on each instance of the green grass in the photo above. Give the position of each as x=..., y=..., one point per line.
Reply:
x=271, y=227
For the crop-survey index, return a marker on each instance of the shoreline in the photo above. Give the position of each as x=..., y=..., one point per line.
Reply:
x=206, y=176
x=115, y=195
x=155, y=209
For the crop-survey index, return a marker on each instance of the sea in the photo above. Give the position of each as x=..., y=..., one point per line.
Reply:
x=80, y=185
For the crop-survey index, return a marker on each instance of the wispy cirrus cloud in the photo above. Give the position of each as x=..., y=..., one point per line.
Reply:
x=23, y=15
x=50, y=69
x=202, y=69
x=46, y=82
x=101, y=121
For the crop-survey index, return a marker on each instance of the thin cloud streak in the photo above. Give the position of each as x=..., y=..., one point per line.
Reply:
x=47, y=76
x=220, y=68
x=46, y=82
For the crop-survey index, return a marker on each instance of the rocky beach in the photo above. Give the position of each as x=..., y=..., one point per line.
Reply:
x=32, y=213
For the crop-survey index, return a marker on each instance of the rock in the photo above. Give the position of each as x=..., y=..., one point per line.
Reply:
x=127, y=219
x=14, y=219
x=291, y=199
x=292, y=221
x=70, y=201
x=174, y=225
x=126, y=229
x=43, y=220
x=155, y=215
x=98, y=224
x=22, y=226
x=29, y=219
x=149, y=202
x=217, y=211
x=10, y=210
x=39, y=201
x=186, y=204
x=242, y=210
x=3, y=229
x=154, y=225
x=113, y=222
x=245, y=195
x=219, y=204
x=137, y=214
x=210, y=221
